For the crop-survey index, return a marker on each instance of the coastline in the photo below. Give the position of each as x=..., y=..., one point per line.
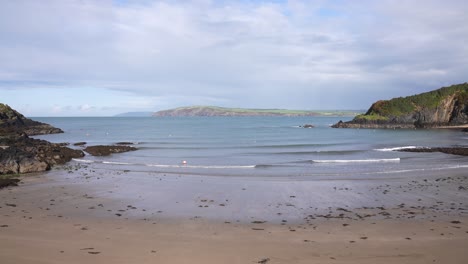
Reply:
x=63, y=217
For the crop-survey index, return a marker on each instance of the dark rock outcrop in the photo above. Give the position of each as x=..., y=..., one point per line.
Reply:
x=462, y=151
x=107, y=150
x=447, y=106
x=124, y=143
x=8, y=182
x=307, y=126
x=22, y=154
x=13, y=122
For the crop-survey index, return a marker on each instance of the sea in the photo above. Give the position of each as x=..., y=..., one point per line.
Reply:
x=267, y=147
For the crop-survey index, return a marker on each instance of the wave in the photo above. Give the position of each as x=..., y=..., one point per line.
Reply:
x=422, y=169
x=202, y=166
x=181, y=166
x=117, y=163
x=397, y=148
x=357, y=161
x=291, y=145
x=264, y=166
x=83, y=160
x=324, y=152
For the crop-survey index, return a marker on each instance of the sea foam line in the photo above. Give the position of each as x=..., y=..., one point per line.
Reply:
x=357, y=161
x=421, y=169
x=118, y=163
x=83, y=160
x=202, y=166
x=171, y=166
x=397, y=148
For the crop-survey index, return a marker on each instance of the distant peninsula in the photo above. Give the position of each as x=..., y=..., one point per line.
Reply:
x=223, y=111
x=444, y=107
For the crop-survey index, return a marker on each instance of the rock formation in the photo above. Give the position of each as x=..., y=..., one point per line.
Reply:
x=447, y=106
x=107, y=150
x=461, y=151
x=13, y=122
x=8, y=182
x=21, y=154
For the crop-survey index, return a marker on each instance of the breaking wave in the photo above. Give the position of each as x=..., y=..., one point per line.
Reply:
x=178, y=166
x=357, y=161
x=397, y=148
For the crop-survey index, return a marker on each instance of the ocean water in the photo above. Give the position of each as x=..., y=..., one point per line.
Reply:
x=270, y=147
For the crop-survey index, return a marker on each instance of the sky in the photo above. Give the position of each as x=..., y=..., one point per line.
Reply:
x=101, y=58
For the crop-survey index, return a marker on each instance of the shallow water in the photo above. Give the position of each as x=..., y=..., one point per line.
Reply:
x=261, y=147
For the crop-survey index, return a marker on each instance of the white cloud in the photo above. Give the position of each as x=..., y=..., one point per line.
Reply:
x=86, y=108
x=210, y=52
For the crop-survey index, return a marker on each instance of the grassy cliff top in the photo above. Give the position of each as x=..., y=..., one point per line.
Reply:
x=400, y=106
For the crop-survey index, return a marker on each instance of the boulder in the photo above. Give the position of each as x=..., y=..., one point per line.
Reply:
x=32, y=165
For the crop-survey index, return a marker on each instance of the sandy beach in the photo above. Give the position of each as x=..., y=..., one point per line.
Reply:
x=89, y=214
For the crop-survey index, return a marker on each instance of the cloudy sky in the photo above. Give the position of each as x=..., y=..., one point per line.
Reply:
x=87, y=58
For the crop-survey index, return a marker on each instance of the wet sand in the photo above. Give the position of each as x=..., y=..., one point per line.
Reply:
x=88, y=214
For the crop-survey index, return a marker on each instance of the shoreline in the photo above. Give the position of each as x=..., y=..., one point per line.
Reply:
x=64, y=217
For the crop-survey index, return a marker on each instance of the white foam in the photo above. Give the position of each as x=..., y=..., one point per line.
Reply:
x=397, y=148
x=422, y=169
x=83, y=160
x=117, y=163
x=357, y=161
x=201, y=166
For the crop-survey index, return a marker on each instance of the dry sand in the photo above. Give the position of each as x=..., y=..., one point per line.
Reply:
x=92, y=215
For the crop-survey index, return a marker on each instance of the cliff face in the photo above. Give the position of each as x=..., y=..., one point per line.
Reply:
x=21, y=154
x=447, y=106
x=13, y=122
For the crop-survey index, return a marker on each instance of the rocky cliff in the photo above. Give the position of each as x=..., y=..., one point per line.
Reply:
x=447, y=106
x=13, y=122
x=21, y=154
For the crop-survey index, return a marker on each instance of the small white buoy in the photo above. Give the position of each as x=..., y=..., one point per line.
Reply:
x=184, y=162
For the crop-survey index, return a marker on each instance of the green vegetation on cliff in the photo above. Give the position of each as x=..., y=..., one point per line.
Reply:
x=400, y=106
x=447, y=106
x=371, y=117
